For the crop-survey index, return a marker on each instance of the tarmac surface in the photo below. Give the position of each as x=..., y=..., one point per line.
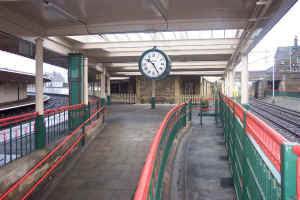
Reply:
x=201, y=168
x=110, y=167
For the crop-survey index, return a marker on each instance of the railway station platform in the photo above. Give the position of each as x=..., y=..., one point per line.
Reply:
x=110, y=166
x=201, y=168
x=135, y=152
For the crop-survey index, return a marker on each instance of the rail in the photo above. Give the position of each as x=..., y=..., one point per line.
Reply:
x=150, y=182
x=80, y=132
x=265, y=165
x=16, y=137
x=17, y=134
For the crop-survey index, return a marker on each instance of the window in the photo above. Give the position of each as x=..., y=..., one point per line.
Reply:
x=282, y=62
x=298, y=59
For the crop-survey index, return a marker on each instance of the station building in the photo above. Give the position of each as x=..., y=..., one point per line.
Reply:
x=13, y=85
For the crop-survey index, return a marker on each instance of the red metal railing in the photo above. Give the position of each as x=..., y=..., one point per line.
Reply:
x=268, y=139
x=148, y=181
x=17, y=133
x=239, y=112
x=101, y=110
x=17, y=119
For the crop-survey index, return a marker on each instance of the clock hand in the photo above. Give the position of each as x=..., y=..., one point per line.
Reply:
x=148, y=60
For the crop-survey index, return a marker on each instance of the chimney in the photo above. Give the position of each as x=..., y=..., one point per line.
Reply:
x=296, y=41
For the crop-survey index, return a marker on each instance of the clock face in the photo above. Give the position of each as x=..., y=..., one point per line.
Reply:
x=154, y=64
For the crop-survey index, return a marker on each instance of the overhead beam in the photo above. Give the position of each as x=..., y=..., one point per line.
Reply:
x=204, y=73
x=149, y=25
x=54, y=44
x=191, y=63
x=170, y=48
x=158, y=43
x=183, y=67
x=173, y=52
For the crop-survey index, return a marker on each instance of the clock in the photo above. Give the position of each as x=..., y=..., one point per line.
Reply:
x=154, y=64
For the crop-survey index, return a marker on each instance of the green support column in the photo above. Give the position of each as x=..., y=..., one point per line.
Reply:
x=185, y=117
x=102, y=103
x=40, y=132
x=153, y=95
x=75, y=78
x=153, y=103
x=75, y=72
x=288, y=172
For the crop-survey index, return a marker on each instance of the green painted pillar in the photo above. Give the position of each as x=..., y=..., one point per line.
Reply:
x=40, y=132
x=190, y=111
x=75, y=78
x=75, y=73
x=153, y=100
x=102, y=103
x=153, y=103
x=185, y=117
x=288, y=172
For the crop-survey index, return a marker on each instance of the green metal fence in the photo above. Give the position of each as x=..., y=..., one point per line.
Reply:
x=263, y=163
x=23, y=134
x=151, y=181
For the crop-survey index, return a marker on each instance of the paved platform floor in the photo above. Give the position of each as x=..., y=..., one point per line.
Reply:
x=110, y=167
x=201, y=169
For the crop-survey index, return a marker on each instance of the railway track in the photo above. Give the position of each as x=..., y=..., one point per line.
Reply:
x=285, y=121
x=55, y=101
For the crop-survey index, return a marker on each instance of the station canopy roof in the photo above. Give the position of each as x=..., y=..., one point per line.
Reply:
x=201, y=37
x=8, y=75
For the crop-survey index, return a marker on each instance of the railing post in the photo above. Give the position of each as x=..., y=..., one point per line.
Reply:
x=103, y=105
x=244, y=160
x=184, y=113
x=288, y=172
x=190, y=111
x=98, y=106
x=40, y=132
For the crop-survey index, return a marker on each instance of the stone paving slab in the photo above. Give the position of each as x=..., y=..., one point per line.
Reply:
x=201, y=169
x=110, y=167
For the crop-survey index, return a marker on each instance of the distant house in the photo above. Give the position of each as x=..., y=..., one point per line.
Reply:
x=13, y=85
x=57, y=80
x=287, y=59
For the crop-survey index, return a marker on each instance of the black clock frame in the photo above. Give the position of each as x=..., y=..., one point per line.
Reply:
x=168, y=64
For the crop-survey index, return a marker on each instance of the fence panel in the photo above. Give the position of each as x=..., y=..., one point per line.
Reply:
x=16, y=137
x=150, y=183
x=254, y=150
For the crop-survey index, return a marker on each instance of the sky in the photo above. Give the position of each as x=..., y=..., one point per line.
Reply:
x=260, y=58
x=282, y=34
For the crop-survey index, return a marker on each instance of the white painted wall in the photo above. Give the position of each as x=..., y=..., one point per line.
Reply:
x=9, y=92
